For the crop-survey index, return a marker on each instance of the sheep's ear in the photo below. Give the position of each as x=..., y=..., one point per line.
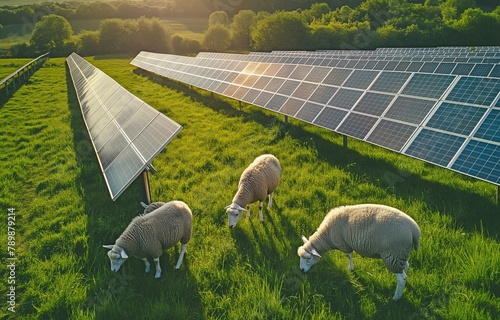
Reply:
x=108, y=246
x=124, y=254
x=315, y=253
x=304, y=239
x=144, y=205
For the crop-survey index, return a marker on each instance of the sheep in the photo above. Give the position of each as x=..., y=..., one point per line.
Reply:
x=257, y=181
x=372, y=230
x=153, y=232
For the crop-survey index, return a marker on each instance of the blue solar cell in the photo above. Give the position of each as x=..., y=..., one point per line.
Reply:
x=481, y=70
x=490, y=128
x=456, y=118
x=262, y=82
x=309, y=111
x=390, y=82
x=300, y=72
x=360, y=79
x=402, y=66
x=337, y=76
x=445, y=68
x=285, y=71
x=291, y=106
x=304, y=90
x=481, y=160
x=473, y=90
x=428, y=85
x=495, y=72
x=288, y=87
x=323, y=94
x=463, y=69
x=330, y=118
x=345, y=98
x=262, y=99
x=429, y=67
x=276, y=102
x=357, y=125
x=435, y=147
x=317, y=74
x=391, y=135
x=374, y=103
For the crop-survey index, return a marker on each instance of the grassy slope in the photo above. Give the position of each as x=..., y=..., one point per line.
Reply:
x=250, y=272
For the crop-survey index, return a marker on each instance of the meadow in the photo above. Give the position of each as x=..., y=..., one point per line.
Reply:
x=64, y=215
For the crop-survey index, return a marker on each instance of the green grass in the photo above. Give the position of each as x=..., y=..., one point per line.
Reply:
x=64, y=214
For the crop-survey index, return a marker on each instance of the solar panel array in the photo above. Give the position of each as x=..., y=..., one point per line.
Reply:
x=440, y=105
x=126, y=133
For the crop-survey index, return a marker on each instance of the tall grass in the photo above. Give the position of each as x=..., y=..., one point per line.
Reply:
x=65, y=214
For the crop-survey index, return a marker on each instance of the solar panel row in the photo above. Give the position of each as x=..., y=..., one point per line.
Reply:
x=434, y=113
x=126, y=132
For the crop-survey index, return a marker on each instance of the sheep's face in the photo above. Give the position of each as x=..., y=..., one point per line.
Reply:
x=117, y=256
x=307, y=259
x=234, y=213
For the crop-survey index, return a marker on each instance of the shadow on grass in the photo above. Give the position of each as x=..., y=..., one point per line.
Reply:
x=9, y=89
x=129, y=293
x=469, y=210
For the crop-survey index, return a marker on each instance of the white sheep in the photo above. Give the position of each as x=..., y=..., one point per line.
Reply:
x=257, y=181
x=372, y=230
x=160, y=227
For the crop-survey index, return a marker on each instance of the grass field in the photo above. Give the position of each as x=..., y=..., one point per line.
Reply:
x=64, y=215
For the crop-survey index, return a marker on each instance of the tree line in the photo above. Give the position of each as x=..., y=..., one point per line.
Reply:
x=372, y=24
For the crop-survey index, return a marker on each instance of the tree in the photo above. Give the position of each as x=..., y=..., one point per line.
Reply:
x=50, y=33
x=113, y=35
x=218, y=17
x=241, y=29
x=281, y=31
x=216, y=38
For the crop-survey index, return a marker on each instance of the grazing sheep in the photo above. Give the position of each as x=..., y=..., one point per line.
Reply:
x=257, y=181
x=372, y=230
x=153, y=232
x=151, y=207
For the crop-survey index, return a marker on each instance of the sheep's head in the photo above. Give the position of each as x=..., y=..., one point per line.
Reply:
x=117, y=256
x=151, y=207
x=308, y=257
x=234, y=213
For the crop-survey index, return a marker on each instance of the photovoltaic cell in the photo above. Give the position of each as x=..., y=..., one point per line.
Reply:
x=323, y=94
x=337, y=76
x=435, y=147
x=480, y=91
x=360, y=79
x=480, y=159
x=374, y=103
x=390, y=82
x=490, y=128
x=357, y=125
x=391, y=135
x=309, y=111
x=428, y=85
x=456, y=118
x=345, y=98
x=291, y=106
x=330, y=118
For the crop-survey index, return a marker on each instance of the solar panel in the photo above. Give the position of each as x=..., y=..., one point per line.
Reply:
x=440, y=105
x=126, y=133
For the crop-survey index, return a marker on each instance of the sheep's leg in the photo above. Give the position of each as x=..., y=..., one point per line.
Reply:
x=158, y=268
x=270, y=203
x=146, y=264
x=401, y=279
x=351, y=263
x=181, y=256
x=261, y=216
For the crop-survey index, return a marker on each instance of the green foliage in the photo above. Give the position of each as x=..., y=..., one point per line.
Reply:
x=217, y=38
x=218, y=17
x=281, y=31
x=241, y=28
x=51, y=33
x=183, y=45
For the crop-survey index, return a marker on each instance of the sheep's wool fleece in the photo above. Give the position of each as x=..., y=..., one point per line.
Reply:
x=150, y=234
x=258, y=180
x=375, y=231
